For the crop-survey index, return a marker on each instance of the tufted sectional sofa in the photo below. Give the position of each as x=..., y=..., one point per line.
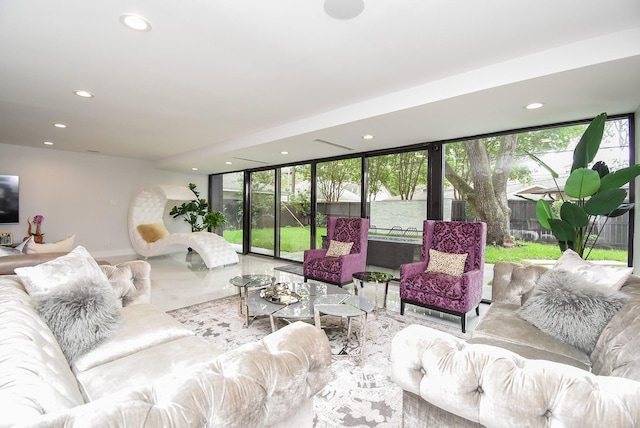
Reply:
x=511, y=374
x=154, y=372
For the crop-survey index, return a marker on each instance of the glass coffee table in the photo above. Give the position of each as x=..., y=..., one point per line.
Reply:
x=349, y=307
x=245, y=282
x=303, y=309
x=375, y=277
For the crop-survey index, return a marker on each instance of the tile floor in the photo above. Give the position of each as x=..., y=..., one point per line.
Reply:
x=182, y=279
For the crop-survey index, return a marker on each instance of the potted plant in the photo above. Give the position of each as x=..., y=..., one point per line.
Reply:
x=198, y=213
x=589, y=193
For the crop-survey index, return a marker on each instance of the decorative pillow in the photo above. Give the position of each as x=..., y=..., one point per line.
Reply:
x=22, y=247
x=447, y=263
x=80, y=315
x=566, y=306
x=152, y=232
x=9, y=251
x=606, y=276
x=62, y=246
x=74, y=266
x=337, y=248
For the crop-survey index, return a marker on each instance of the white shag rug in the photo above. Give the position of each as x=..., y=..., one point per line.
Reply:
x=360, y=394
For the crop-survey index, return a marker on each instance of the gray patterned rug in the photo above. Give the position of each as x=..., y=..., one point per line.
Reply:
x=359, y=395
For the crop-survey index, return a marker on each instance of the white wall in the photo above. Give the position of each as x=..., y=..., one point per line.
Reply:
x=84, y=194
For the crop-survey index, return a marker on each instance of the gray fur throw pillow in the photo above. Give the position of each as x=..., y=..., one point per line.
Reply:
x=81, y=315
x=568, y=308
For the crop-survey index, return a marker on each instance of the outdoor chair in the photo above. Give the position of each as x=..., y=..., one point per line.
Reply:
x=449, y=278
x=344, y=254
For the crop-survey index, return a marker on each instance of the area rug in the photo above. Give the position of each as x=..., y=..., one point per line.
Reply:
x=295, y=268
x=360, y=394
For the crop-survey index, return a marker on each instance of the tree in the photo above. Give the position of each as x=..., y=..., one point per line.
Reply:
x=334, y=175
x=480, y=169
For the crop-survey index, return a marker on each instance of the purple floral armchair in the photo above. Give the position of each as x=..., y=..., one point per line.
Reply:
x=440, y=291
x=339, y=270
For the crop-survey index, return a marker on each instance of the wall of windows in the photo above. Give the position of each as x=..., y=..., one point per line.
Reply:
x=491, y=178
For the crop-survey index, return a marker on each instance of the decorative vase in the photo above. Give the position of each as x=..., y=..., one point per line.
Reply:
x=37, y=237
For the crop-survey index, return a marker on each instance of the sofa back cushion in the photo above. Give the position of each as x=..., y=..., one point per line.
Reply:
x=617, y=352
x=35, y=377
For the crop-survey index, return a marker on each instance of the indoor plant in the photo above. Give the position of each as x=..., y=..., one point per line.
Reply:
x=198, y=213
x=589, y=193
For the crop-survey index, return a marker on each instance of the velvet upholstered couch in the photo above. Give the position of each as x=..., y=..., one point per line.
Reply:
x=150, y=371
x=511, y=373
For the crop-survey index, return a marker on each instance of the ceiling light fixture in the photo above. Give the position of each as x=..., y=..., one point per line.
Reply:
x=343, y=9
x=194, y=169
x=135, y=22
x=48, y=143
x=228, y=163
x=83, y=94
x=368, y=137
x=284, y=153
x=533, y=106
x=60, y=125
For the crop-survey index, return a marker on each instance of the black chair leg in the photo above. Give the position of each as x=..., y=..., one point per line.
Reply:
x=401, y=307
x=463, y=321
x=478, y=310
x=305, y=279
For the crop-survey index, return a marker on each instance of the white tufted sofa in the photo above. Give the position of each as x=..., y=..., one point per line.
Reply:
x=512, y=375
x=148, y=207
x=154, y=372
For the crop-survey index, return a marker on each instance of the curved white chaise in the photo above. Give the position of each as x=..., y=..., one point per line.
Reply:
x=148, y=207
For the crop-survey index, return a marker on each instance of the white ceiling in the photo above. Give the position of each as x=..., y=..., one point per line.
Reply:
x=218, y=81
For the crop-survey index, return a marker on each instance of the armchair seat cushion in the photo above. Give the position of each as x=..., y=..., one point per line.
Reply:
x=437, y=284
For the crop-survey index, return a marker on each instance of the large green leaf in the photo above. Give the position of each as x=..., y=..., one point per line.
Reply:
x=581, y=183
x=620, y=177
x=542, y=164
x=574, y=215
x=562, y=230
x=605, y=202
x=622, y=209
x=544, y=213
x=589, y=143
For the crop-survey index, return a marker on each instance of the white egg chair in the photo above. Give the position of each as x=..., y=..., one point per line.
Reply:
x=150, y=237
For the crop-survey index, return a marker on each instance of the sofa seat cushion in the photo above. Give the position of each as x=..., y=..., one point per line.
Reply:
x=502, y=326
x=35, y=377
x=436, y=284
x=175, y=358
x=144, y=326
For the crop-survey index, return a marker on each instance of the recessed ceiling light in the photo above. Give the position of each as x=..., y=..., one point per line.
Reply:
x=83, y=94
x=533, y=106
x=284, y=153
x=135, y=22
x=228, y=163
x=194, y=169
x=368, y=137
x=48, y=143
x=60, y=125
x=343, y=9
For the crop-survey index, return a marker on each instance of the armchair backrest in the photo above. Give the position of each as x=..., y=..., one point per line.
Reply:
x=345, y=229
x=456, y=237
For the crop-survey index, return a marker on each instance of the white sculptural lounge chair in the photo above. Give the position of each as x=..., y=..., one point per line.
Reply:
x=149, y=235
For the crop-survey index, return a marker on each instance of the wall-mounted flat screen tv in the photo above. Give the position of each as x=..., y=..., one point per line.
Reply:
x=9, y=199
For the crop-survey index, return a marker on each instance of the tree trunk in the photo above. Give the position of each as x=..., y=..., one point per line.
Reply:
x=488, y=195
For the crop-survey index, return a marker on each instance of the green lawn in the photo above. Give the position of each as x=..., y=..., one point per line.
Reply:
x=296, y=239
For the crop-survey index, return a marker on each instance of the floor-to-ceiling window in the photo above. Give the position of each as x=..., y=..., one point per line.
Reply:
x=295, y=211
x=262, y=212
x=233, y=208
x=496, y=179
x=338, y=192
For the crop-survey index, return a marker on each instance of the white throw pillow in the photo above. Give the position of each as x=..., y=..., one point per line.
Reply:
x=447, y=263
x=606, y=276
x=337, y=248
x=72, y=267
x=62, y=246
